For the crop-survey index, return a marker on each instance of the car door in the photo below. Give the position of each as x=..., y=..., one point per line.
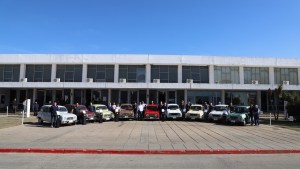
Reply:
x=47, y=114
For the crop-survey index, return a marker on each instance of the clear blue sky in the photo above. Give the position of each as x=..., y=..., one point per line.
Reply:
x=262, y=28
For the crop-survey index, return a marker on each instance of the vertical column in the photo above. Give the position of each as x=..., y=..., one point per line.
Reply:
x=109, y=96
x=271, y=76
x=84, y=72
x=211, y=74
x=147, y=96
x=185, y=95
x=22, y=71
x=54, y=95
x=179, y=73
x=53, y=72
x=241, y=71
x=72, y=96
x=298, y=76
x=258, y=99
x=34, y=95
x=116, y=72
x=222, y=97
x=148, y=73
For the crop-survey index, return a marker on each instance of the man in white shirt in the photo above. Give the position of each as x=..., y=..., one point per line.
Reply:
x=141, y=111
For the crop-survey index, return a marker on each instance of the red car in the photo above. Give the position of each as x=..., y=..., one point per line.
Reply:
x=83, y=112
x=152, y=112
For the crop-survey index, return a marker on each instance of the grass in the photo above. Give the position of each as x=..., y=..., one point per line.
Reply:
x=11, y=121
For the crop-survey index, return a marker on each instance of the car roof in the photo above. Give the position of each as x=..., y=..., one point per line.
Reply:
x=98, y=105
x=126, y=104
x=221, y=105
x=152, y=104
x=242, y=106
x=196, y=105
x=172, y=104
x=48, y=105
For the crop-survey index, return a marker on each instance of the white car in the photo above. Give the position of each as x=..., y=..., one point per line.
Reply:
x=44, y=115
x=195, y=112
x=173, y=111
x=219, y=113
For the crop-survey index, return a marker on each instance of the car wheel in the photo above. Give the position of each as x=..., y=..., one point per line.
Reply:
x=58, y=123
x=244, y=122
x=83, y=121
x=40, y=121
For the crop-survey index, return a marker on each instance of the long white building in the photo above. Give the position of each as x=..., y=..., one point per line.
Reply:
x=103, y=78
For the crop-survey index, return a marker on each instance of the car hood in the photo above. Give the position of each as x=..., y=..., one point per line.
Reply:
x=104, y=112
x=236, y=114
x=126, y=111
x=217, y=112
x=151, y=112
x=195, y=112
x=174, y=111
x=66, y=114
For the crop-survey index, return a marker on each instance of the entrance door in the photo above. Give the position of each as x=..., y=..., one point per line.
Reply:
x=161, y=96
x=133, y=97
x=124, y=97
x=40, y=97
x=172, y=97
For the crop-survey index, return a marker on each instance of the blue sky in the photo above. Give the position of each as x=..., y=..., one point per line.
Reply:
x=260, y=28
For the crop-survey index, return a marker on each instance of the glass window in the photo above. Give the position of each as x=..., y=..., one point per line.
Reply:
x=226, y=75
x=69, y=73
x=9, y=73
x=286, y=74
x=38, y=73
x=166, y=74
x=133, y=73
x=261, y=74
x=199, y=74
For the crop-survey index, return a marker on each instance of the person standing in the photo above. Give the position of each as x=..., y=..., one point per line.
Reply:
x=117, y=113
x=256, y=115
x=135, y=110
x=140, y=111
x=53, y=111
x=164, y=112
x=15, y=105
x=36, y=108
x=251, y=110
x=183, y=109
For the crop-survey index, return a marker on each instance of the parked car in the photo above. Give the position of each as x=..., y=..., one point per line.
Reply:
x=151, y=112
x=102, y=110
x=173, y=111
x=195, y=113
x=63, y=117
x=83, y=115
x=219, y=113
x=126, y=111
x=239, y=115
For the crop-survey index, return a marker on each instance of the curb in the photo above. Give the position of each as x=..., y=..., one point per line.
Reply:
x=149, y=152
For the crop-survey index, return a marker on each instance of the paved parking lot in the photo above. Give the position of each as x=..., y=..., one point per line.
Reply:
x=150, y=135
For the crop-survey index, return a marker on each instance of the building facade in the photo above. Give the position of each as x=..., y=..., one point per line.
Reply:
x=104, y=78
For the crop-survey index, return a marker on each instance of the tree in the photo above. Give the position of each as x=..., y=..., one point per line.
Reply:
x=277, y=94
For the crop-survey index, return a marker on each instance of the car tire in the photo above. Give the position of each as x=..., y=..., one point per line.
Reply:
x=58, y=123
x=83, y=121
x=40, y=121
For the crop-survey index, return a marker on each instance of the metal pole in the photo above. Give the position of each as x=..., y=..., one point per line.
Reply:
x=7, y=111
x=23, y=117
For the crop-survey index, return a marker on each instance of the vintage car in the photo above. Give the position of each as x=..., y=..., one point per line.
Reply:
x=102, y=110
x=63, y=117
x=83, y=115
x=173, y=111
x=126, y=111
x=151, y=112
x=195, y=112
x=239, y=115
x=219, y=113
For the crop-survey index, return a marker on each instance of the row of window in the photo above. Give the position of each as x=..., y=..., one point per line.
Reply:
x=137, y=73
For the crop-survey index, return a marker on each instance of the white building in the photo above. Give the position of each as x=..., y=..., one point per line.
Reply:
x=85, y=78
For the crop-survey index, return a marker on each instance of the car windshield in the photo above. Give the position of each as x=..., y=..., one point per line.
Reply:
x=101, y=107
x=126, y=107
x=196, y=108
x=153, y=108
x=173, y=107
x=62, y=109
x=220, y=108
x=240, y=110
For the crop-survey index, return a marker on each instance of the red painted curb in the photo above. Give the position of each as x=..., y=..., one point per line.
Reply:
x=128, y=152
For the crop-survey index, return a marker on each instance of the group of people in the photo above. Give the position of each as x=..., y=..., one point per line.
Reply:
x=254, y=114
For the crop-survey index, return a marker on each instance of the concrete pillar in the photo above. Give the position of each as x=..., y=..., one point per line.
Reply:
x=298, y=76
x=53, y=95
x=222, y=97
x=22, y=71
x=241, y=71
x=211, y=74
x=116, y=78
x=72, y=96
x=258, y=99
x=179, y=73
x=147, y=96
x=34, y=95
x=271, y=76
x=148, y=73
x=185, y=96
x=84, y=72
x=109, y=96
x=53, y=72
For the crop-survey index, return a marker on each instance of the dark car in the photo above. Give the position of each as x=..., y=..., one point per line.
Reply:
x=83, y=114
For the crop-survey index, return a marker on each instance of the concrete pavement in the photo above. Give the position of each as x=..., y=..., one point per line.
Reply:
x=151, y=135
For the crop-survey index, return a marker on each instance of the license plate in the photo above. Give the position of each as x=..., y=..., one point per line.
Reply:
x=126, y=116
x=193, y=118
x=215, y=119
x=174, y=117
x=232, y=121
x=70, y=121
x=107, y=119
x=151, y=117
x=92, y=118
